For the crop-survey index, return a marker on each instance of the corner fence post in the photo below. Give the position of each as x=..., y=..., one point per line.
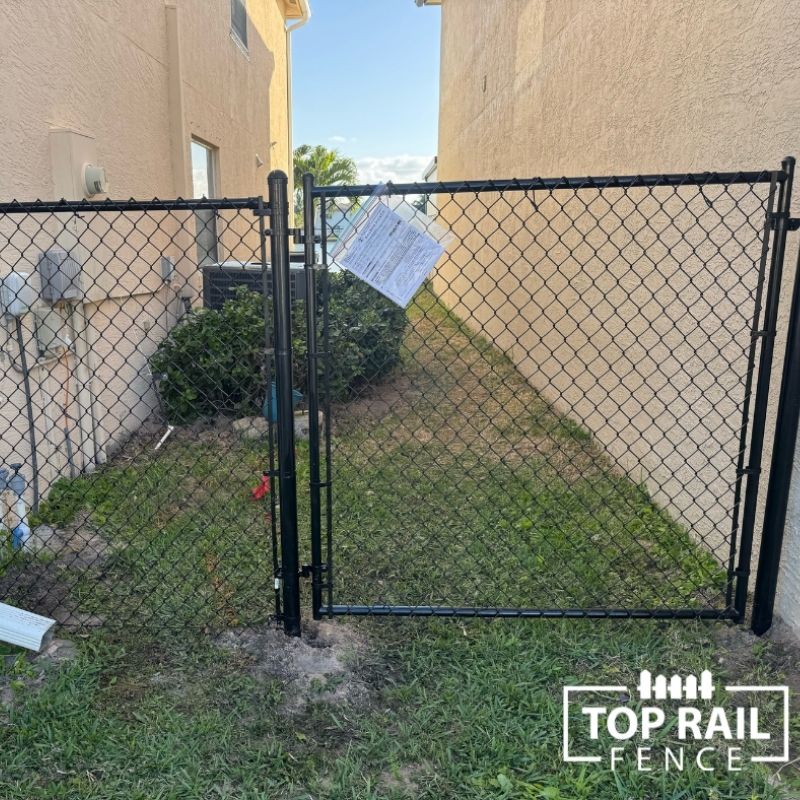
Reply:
x=765, y=358
x=777, y=499
x=278, y=187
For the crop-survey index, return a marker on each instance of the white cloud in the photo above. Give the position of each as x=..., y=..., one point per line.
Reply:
x=398, y=169
x=337, y=139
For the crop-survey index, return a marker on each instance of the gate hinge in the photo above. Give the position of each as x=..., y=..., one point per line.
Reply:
x=792, y=223
x=264, y=211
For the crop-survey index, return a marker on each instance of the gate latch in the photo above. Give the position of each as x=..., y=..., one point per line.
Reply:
x=307, y=570
x=299, y=236
x=792, y=223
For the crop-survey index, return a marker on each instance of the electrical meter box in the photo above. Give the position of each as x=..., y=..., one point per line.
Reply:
x=60, y=275
x=17, y=294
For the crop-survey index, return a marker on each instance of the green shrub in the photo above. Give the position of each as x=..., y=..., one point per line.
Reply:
x=214, y=362
x=365, y=334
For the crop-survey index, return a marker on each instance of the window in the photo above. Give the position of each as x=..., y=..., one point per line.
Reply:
x=203, y=170
x=204, y=184
x=239, y=20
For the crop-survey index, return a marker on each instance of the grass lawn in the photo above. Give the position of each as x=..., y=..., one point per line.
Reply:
x=445, y=709
x=455, y=711
x=456, y=484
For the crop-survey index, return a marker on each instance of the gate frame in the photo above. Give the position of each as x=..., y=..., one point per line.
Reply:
x=777, y=223
x=783, y=453
x=289, y=574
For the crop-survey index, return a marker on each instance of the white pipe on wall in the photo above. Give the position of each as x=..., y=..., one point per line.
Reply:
x=306, y=12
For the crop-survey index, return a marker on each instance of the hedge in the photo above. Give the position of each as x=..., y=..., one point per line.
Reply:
x=213, y=361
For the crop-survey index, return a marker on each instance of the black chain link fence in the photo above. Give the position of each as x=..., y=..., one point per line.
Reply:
x=135, y=423
x=573, y=426
x=567, y=420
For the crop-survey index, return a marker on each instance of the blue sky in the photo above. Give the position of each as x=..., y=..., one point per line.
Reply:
x=366, y=81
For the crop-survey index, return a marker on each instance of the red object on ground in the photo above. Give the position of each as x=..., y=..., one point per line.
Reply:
x=263, y=488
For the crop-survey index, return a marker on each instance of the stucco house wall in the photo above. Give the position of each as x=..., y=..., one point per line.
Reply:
x=126, y=85
x=565, y=87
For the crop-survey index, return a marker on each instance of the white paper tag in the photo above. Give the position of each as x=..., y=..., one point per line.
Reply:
x=388, y=253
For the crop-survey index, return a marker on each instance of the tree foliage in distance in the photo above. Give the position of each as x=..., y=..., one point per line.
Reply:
x=329, y=168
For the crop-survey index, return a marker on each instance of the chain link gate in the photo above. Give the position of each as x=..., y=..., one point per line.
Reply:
x=573, y=422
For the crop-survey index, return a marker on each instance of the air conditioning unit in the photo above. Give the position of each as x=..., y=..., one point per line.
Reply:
x=60, y=275
x=220, y=281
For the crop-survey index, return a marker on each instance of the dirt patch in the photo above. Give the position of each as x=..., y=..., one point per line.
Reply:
x=44, y=583
x=744, y=655
x=406, y=779
x=45, y=588
x=321, y=666
x=773, y=658
x=77, y=546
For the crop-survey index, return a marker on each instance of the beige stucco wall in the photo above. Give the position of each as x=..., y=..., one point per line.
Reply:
x=566, y=87
x=102, y=67
x=135, y=81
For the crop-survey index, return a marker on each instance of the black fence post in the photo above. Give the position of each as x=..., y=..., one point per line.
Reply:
x=313, y=398
x=278, y=185
x=777, y=499
x=765, y=359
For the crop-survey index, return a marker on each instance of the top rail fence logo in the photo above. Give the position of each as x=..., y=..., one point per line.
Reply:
x=670, y=722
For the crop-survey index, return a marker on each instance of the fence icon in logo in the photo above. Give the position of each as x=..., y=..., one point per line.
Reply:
x=675, y=688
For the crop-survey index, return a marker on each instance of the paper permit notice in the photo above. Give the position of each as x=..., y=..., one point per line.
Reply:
x=389, y=254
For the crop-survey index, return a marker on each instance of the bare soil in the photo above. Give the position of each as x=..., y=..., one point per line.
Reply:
x=321, y=666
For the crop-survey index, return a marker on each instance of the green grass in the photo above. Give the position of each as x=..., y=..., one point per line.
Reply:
x=458, y=711
x=190, y=548
x=455, y=484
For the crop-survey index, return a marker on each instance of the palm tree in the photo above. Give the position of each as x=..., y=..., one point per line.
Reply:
x=329, y=168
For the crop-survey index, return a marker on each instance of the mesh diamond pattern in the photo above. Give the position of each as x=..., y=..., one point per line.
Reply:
x=135, y=464
x=565, y=428
x=568, y=429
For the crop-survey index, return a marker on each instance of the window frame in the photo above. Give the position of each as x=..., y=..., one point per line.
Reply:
x=239, y=36
x=207, y=230
x=212, y=166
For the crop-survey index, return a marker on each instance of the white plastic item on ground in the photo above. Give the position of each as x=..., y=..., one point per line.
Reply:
x=23, y=628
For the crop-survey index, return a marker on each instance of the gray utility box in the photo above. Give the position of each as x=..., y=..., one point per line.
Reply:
x=17, y=294
x=60, y=275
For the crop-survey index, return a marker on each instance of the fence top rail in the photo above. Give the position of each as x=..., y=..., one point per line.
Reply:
x=88, y=206
x=550, y=184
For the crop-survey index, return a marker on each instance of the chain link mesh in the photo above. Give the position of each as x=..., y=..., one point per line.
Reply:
x=136, y=476
x=559, y=424
x=567, y=431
